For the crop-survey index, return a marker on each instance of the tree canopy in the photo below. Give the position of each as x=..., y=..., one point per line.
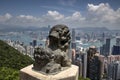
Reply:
x=11, y=61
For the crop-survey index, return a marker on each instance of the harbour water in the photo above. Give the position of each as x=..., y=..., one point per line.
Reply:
x=28, y=36
x=24, y=37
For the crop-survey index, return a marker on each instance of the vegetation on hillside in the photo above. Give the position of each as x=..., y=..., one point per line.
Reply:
x=11, y=61
x=8, y=74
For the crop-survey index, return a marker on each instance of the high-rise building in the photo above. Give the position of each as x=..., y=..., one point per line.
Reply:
x=30, y=51
x=34, y=43
x=73, y=56
x=118, y=41
x=78, y=61
x=81, y=61
x=94, y=64
x=31, y=43
x=73, y=34
x=84, y=59
x=108, y=46
x=102, y=66
x=103, y=37
x=47, y=42
x=114, y=70
x=73, y=45
x=116, y=50
x=112, y=58
x=105, y=48
x=93, y=69
x=78, y=37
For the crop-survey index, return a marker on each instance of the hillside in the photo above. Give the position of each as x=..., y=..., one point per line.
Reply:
x=11, y=61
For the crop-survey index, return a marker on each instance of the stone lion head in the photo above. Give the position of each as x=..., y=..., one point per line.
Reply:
x=59, y=37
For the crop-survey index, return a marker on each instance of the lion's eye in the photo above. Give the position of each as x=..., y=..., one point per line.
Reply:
x=57, y=31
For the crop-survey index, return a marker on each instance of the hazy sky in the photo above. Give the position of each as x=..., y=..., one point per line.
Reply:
x=74, y=13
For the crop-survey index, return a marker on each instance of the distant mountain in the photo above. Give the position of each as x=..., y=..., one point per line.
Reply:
x=8, y=28
x=93, y=29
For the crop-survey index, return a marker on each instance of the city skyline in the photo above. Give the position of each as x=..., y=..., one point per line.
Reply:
x=74, y=13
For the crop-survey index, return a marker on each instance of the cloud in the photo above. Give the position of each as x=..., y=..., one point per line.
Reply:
x=104, y=15
x=27, y=18
x=55, y=15
x=101, y=15
x=104, y=11
x=75, y=19
x=77, y=16
x=5, y=17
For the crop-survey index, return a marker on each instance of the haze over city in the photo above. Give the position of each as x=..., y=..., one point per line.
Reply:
x=74, y=13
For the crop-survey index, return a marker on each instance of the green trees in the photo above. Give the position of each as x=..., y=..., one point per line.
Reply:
x=8, y=74
x=11, y=61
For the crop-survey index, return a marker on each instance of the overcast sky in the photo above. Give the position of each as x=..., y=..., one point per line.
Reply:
x=74, y=13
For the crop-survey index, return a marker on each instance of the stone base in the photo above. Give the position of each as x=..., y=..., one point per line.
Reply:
x=28, y=73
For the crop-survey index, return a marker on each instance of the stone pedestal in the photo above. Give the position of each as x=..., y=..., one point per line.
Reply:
x=28, y=73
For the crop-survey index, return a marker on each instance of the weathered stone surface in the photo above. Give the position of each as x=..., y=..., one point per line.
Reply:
x=53, y=58
x=28, y=73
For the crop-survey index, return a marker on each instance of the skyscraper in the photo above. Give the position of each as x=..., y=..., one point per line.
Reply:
x=114, y=70
x=103, y=37
x=73, y=56
x=118, y=41
x=81, y=61
x=84, y=64
x=108, y=46
x=105, y=48
x=102, y=49
x=94, y=64
x=116, y=48
x=73, y=39
x=73, y=34
x=34, y=43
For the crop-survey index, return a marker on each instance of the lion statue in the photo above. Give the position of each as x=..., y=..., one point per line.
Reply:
x=53, y=58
